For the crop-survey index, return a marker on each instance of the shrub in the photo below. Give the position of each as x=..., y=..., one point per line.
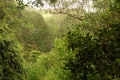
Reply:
x=10, y=55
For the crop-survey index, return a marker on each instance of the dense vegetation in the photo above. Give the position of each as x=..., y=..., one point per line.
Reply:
x=60, y=44
x=97, y=52
x=11, y=67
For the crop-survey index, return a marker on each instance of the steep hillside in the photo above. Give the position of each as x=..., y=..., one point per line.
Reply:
x=33, y=32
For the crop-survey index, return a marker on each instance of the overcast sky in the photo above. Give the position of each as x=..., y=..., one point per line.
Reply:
x=47, y=6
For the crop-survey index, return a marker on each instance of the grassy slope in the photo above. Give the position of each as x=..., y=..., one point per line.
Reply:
x=61, y=23
x=54, y=20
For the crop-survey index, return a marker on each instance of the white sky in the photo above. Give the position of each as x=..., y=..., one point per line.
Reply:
x=47, y=6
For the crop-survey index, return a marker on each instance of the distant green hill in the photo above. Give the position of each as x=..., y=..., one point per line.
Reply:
x=33, y=32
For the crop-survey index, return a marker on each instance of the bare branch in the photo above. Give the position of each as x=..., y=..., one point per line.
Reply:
x=79, y=18
x=57, y=10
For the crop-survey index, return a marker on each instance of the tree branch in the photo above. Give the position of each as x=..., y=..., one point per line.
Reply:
x=79, y=18
x=61, y=12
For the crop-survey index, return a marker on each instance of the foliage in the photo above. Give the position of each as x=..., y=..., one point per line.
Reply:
x=10, y=59
x=96, y=52
x=90, y=51
x=11, y=67
x=34, y=56
x=49, y=66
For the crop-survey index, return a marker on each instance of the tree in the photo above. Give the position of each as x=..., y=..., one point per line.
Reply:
x=10, y=59
x=10, y=50
x=96, y=52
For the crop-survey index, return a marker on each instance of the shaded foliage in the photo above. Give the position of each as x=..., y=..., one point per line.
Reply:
x=96, y=53
x=11, y=67
x=10, y=59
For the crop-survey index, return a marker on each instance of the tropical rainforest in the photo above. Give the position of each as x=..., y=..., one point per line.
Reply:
x=68, y=40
